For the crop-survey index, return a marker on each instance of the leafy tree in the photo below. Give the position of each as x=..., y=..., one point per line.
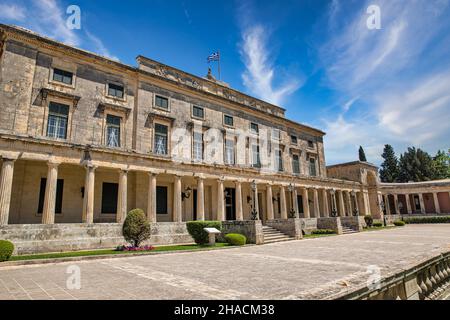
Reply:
x=389, y=167
x=136, y=228
x=441, y=165
x=415, y=165
x=362, y=154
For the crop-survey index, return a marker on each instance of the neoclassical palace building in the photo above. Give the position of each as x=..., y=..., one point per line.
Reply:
x=84, y=139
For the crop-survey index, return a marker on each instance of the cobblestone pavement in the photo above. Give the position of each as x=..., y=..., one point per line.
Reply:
x=306, y=269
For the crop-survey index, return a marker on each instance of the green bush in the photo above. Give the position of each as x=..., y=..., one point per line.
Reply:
x=236, y=239
x=323, y=231
x=136, y=228
x=369, y=220
x=417, y=220
x=195, y=229
x=377, y=224
x=399, y=223
x=6, y=250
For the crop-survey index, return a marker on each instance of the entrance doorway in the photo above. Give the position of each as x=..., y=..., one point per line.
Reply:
x=230, y=203
x=260, y=207
x=194, y=205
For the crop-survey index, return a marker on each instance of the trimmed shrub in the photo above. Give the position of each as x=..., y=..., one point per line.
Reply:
x=236, y=239
x=377, y=224
x=417, y=220
x=369, y=220
x=399, y=223
x=195, y=229
x=136, y=228
x=6, y=250
x=323, y=231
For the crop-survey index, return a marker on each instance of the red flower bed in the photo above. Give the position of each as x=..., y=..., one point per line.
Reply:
x=131, y=248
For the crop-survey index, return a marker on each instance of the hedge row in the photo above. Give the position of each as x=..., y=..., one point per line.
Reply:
x=195, y=229
x=418, y=220
x=323, y=231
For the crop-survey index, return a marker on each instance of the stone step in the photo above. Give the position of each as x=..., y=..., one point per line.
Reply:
x=278, y=240
x=276, y=237
x=272, y=235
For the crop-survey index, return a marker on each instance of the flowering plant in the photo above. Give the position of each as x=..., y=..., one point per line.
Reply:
x=132, y=248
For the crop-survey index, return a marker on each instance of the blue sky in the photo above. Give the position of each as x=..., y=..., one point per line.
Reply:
x=315, y=58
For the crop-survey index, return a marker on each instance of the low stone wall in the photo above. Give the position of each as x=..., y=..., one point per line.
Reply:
x=291, y=227
x=429, y=280
x=352, y=222
x=308, y=224
x=391, y=218
x=39, y=238
x=251, y=229
x=332, y=223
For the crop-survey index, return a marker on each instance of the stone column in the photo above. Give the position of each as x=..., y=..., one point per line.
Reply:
x=269, y=202
x=220, y=201
x=422, y=203
x=200, y=199
x=151, y=198
x=408, y=204
x=88, y=201
x=283, y=207
x=326, y=209
x=436, y=202
x=397, y=209
x=334, y=206
x=341, y=203
x=316, y=203
x=6, y=181
x=177, y=201
x=255, y=195
x=294, y=197
x=366, y=203
x=122, y=196
x=355, y=198
x=305, y=199
x=239, y=210
x=387, y=204
x=48, y=214
x=349, y=203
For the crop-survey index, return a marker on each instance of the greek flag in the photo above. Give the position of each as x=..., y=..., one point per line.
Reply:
x=214, y=57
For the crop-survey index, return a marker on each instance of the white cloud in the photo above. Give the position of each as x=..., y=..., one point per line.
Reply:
x=99, y=46
x=259, y=74
x=12, y=12
x=404, y=92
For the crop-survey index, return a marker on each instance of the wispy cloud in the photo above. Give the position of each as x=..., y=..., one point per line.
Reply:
x=48, y=17
x=405, y=93
x=12, y=12
x=260, y=70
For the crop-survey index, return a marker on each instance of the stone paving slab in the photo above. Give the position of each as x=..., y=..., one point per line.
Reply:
x=306, y=269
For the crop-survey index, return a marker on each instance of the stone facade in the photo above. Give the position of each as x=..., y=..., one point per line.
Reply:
x=84, y=139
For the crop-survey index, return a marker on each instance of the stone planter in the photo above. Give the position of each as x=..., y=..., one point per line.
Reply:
x=251, y=229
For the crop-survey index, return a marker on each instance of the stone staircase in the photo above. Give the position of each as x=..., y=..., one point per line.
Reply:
x=272, y=235
x=347, y=230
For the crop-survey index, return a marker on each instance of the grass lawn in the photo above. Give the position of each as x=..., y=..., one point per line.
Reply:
x=311, y=236
x=109, y=252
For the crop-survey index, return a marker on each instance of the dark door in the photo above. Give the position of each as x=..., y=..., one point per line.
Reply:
x=194, y=205
x=262, y=217
x=230, y=203
x=300, y=204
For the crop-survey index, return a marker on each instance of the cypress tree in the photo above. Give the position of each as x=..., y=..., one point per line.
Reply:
x=389, y=167
x=362, y=154
x=415, y=165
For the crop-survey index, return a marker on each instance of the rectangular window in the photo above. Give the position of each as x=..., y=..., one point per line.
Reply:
x=276, y=134
x=62, y=76
x=161, y=200
x=115, y=90
x=59, y=195
x=161, y=138
x=198, y=112
x=279, y=160
x=295, y=164
x=310, y=144
x=58, y=115
x=228, y=120
x=113, y=131
x=256, y=159
x=162, y=102
x=110, y=192
x=312, y=167
x=197, y=147
x=229, y=152
x=254, y=128
x=294, y=140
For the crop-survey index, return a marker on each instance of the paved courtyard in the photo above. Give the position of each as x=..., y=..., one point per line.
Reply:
x=306, y=269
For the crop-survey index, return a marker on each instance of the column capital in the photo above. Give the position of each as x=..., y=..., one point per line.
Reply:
x=4, y=159
x=53, y=164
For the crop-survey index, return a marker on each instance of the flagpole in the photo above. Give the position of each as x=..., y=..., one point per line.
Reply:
x=219, y=65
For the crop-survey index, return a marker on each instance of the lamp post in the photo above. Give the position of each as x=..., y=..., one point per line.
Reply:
x=291, y=192
x=254, y=212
